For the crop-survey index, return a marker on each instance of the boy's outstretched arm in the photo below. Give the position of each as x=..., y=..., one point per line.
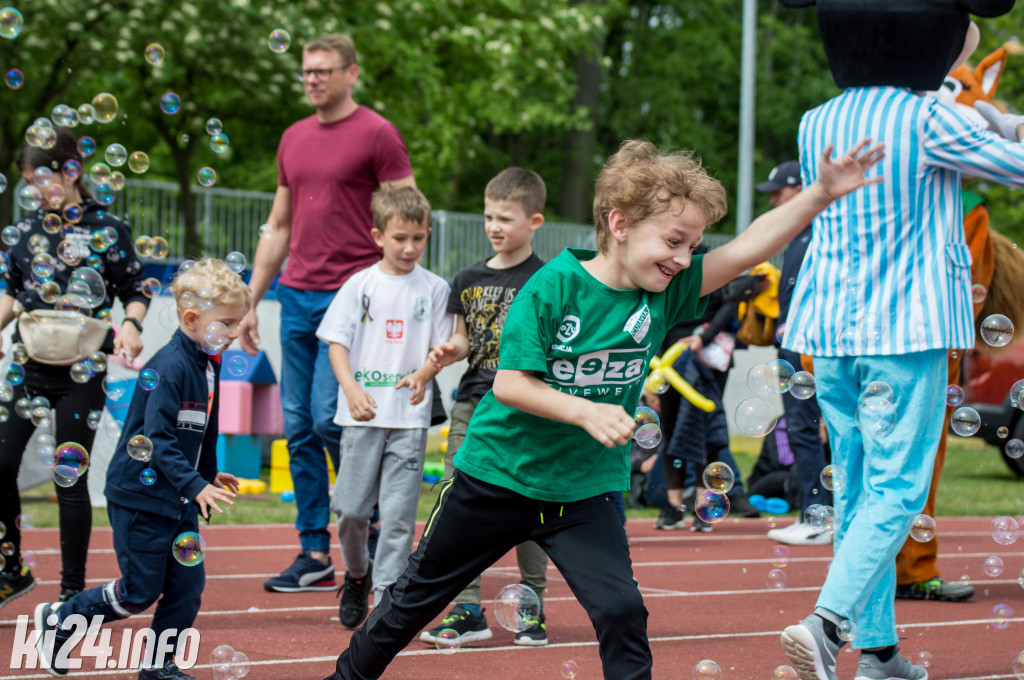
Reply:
x=770, y=232
x=607, y=423
x=454, y=349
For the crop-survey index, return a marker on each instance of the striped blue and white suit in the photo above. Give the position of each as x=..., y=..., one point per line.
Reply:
x=884, y=291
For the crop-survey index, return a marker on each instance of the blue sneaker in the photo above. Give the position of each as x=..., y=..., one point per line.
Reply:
x=305, y=575
x=810, y=650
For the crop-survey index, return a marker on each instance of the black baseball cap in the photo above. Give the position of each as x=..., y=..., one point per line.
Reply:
x=783, y=175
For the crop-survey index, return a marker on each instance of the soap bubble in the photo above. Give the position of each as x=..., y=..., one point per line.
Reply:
x=878, y=388
x=954, y=395
x=115, y=385
x=993, y=566
x=170, y=103
x=154, y=53
x=237, y=365
x=1014, y=449
x=138, y=162
x=10, y=235
x=657, y=381
x=11, y=23
x=140, y=448
x=759, y=380
x=802, y=386
x=706, y=669
x=115, y=155
x=240, y=665
x=147, y=476
x=719, y=477
x=711, y=507
x=833, y=478
x=72, y=460
x=923, y=529
x=207, y=176
x=86, y=114
x=780, y=556
x=105, y=106
x=876, y=416
x=14, y=79
x=214, y=126
x=776, y=579
x=755, y=417
x=846, y=630
x=87, y=283
x=267, y=231
x=821, y=517
x=235, y=261
x=279, y=40
x=221, y=657
x=997, y=330
x=1001, y=615
x=1004, y=530
x=189, y=549
x=516, y=607
x=86, y=146
x=780, y=374
x=148, y=379
x=569, y=670
x=784, y=673
x=29, y=198
x=978, y=293
x=160, y=247
x=965, y=421
x=447, y=641
x=220, y=143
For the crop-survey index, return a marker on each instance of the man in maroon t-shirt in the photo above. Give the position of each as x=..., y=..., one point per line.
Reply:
x=328, y=167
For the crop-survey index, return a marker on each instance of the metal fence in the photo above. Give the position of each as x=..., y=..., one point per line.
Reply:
x=229, y=220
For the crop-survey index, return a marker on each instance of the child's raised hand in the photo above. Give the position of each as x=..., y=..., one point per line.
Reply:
x=443, y=355
x=841, y=176
x=416, y=382
x=361, y=405
x=226, y=480
x=607, y=423
x=208, y=497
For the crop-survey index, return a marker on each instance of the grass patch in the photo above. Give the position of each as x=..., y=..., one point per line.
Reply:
x=975, y=482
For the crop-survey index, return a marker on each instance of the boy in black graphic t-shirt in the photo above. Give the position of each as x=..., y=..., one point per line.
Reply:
x=480, y=297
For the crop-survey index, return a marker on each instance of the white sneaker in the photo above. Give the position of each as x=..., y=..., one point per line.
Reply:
x=801, y=533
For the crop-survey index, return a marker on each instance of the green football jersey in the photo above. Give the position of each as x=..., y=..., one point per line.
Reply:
x=583, y=338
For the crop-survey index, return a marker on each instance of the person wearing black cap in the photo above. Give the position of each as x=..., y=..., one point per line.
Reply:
x=803, y=417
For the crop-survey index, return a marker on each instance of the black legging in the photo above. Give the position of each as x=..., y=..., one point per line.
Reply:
x=72, y=402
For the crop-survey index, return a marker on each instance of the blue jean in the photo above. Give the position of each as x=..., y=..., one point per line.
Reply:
x=309, y=397
x=887, y=481
x=802, y=418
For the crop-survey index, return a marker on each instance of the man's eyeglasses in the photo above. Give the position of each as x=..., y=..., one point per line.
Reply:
x=320, y=74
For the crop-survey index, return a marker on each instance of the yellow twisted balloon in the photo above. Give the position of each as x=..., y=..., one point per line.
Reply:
x=661, y=369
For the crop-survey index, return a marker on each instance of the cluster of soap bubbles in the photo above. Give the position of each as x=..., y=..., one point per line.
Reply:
x=71, y=461
x=517, y=607
x=876, y=410
x=712, y=503
x=647, y=432
x=228, y=664
x=755, y=416
x=155, y=247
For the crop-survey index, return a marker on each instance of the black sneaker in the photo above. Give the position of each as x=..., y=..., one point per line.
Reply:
x=68, y=593
x=50, y=640
x=740, y=505
x=701, y=526
x=534, y=636
x=305, y=574
x=14, y=585
x=670, y=518
x=168, y=672
x=470, y=628
x=935, y=589
x=355, y=599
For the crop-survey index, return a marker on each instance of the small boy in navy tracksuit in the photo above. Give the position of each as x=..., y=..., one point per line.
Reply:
x=151, y=501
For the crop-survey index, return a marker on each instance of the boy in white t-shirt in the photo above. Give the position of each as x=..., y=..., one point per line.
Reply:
x=380, y=327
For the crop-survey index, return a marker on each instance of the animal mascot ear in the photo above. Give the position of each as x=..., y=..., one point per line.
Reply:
x=900, y=43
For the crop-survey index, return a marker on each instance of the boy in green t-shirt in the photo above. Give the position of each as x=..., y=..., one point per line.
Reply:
x=480, y=298
x=550, y=441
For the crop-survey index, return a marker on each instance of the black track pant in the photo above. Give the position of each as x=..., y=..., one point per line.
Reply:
x=472, y=525
x=72, y=402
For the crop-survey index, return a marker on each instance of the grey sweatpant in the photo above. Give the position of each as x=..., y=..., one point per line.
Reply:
x=384, y=467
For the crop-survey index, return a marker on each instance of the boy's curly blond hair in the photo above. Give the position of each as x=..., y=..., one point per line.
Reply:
x=213, y=275
x=642, y=182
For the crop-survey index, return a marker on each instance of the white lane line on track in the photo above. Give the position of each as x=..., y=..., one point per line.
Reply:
x=561, y=645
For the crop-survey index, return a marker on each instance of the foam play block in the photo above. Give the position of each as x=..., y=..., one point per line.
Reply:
x=280, y=473
x=239, y=454
x=236, y=407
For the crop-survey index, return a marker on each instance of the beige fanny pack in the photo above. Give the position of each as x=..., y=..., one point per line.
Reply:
x=60, y=338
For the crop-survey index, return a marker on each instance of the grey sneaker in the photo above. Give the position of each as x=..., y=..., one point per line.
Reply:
x=810, y=650
x=896, y=668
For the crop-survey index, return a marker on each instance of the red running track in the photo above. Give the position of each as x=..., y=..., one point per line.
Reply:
x=706, y=594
